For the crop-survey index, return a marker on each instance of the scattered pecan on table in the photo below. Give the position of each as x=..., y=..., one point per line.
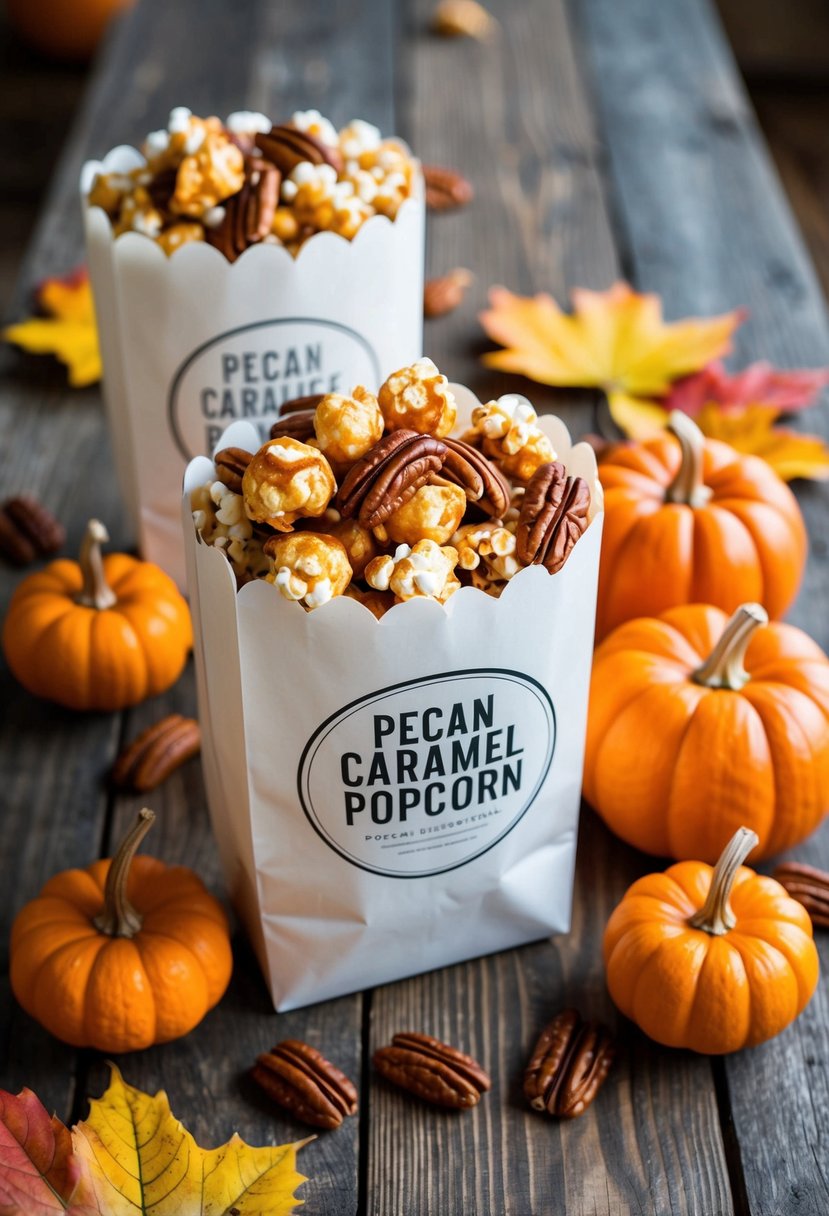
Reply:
x=300, y=1079
x=446, y=189
x=432, y=1070
x=156, y=753
x=809, y=886
x=568, y=1065
x=444, y=294
x=28, y=530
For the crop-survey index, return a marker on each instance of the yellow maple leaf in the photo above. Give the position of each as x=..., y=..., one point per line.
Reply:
x=139, y=1158
x=616, y=340
x=68, y=331
x=751, y=429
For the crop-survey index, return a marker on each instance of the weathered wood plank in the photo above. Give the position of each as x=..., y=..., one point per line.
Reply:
x=539, y=222
x=252, y=54
x=707, y=225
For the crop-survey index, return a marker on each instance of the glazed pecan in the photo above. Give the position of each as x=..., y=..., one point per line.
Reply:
x=552, y=518
x=809, y=886
x=445, y=294
x=230, y=467
x=300, y=1079
x=483, y=483
x=432, y=1070
x=389, y=475
x=568, y=1066
x=248, y=214
x=446, y=189
x=299, y=425
x=285, y=146
x=156, y=753
x=28, y=530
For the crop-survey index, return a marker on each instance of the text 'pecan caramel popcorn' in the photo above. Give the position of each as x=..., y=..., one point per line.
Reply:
x=246, y=181
x=510, y=435
x=308, y=566
x=287, y=480
x=424, y=571
x=418, y=398
x=432, y=513
x=346, y=427
x=568, y=1065
x=432, y=1070
x=300, y=1080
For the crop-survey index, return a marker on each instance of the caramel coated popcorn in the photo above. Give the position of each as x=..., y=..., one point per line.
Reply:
x=415, y=515
x=418, y=398
x=287, y=480
x=209, y=173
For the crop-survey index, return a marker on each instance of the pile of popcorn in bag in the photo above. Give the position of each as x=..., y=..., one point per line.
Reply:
x=247, y=181
x=374, y=498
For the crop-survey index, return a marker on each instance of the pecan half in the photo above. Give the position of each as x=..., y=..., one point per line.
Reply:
x=446, y=189
x=389, y=475
x=230, y=467
x=809, y=886
x=482, y=482
x=299, y=425
x=462, y=18
x=432, y=1070
x=300, y=1079
x=156, y=753
x=552, y=518
x=444, y=294
x=248, y=214
x=568, y=1065
x=286, y=147
x=28, y=530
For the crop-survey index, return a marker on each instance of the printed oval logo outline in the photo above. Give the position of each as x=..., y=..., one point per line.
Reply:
x=515, y=677
x=240, y=329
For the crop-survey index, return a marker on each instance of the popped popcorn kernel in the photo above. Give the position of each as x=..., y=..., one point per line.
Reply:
x=176, y=235
x=509, y=434
x=418, y=398
x=432, y=513
x=423, y=571
x=308, y=567
x=346, y=427
x=287, y=480
x=489, y=549
x=315, y=124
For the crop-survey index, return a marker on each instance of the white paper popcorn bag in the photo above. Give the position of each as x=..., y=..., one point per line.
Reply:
x=193, y=342
x=394, y=795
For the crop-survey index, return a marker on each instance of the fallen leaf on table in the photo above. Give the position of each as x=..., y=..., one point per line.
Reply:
x=757, y=384
x=752, y=430
x=68, y=329
x=139, y=1158
x=38, y=1173
x=616, y=340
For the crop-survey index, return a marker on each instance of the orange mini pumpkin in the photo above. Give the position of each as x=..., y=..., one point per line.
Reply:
x=713, y=960
x=100, y=633
x=123, y=954
x=689, y=520
x=685, y=742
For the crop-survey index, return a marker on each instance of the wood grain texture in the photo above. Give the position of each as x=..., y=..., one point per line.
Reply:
x=539, y=221
x=706, y=224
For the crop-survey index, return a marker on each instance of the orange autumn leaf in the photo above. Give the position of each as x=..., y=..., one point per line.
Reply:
x=67, y=330
x=752, y=430
x=616, y=340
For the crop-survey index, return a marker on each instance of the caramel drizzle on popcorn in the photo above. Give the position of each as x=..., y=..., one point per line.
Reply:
x=246, y=181
x=417, y=515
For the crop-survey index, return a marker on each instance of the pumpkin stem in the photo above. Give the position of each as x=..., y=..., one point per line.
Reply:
x=716, y=914
x=688, y=487
x=724, y=666
x=96, y=591
x=119, y=918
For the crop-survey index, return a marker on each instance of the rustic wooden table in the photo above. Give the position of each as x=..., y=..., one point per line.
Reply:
x=604, y=140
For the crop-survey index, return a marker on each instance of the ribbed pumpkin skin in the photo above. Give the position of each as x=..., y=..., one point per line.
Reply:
x=748, y=542
x=687, y=988
x=116, y=993
x=674, y=767
x=88, y=658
